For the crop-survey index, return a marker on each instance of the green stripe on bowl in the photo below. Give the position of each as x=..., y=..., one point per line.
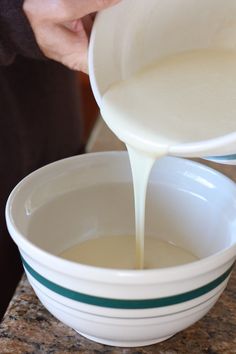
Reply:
x=223, y=157
x=126, y=304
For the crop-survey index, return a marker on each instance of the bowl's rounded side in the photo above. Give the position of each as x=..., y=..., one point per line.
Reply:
x=135, y=328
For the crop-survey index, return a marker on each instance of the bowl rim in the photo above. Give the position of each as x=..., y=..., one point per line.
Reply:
x=97, y=274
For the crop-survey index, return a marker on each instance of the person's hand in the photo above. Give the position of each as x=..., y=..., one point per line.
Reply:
x=62, y=28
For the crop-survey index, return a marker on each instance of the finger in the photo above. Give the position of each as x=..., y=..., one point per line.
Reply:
x=60, y=11
x=81, y=8
x=67, y=47
x=75, y=25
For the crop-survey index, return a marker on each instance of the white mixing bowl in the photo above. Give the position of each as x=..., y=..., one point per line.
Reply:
x=133, y=34
x=188, y=204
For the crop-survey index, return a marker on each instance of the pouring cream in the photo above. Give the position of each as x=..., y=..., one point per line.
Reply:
x=187, y=97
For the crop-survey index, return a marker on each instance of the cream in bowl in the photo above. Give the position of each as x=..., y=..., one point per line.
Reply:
x=73, y=202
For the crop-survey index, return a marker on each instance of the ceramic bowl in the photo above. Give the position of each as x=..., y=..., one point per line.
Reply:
x=139, y=35
x=187, y=203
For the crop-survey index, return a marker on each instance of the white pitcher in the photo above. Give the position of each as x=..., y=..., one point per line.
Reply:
x=134, y=33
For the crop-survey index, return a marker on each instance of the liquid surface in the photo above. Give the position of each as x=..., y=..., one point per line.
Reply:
x=119, y=252
x=183, y=98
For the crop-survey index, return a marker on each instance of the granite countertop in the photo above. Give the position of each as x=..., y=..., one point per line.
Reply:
x=28, y=327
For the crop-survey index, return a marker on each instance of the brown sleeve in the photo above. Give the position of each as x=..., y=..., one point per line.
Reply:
x=16, y=35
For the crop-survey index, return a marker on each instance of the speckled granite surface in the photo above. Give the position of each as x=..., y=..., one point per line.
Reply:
x=28, y=328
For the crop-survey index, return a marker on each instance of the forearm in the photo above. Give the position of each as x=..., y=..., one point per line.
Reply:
x=16, y=35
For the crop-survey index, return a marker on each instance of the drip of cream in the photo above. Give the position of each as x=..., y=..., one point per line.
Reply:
x=141, y=166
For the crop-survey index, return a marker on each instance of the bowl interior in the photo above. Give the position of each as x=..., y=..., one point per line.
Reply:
x=162, y=28
x=90, y=196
